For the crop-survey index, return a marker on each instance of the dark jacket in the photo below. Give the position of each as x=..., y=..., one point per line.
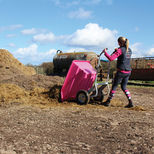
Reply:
x=123, y=61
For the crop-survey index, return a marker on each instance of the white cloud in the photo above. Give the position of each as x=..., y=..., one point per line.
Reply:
x=150, y=52
x=135, y=46
x=31, y=50
x=31, y=55
x=61, y=3
x=10, y=27
x=80, y=14
x=136, y=50
x=92, y=35
x=32, y=31
x=10, y=35
x=64, y=4
x=48, y=55
x=29, y=31
x=44, y=38
x=13, y=27
x=76, y=50
x=139, y=51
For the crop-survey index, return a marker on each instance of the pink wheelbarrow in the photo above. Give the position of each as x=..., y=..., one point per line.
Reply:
x=81, y=83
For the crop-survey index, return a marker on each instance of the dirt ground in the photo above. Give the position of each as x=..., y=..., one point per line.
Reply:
x=71, y=128
x=33, y=121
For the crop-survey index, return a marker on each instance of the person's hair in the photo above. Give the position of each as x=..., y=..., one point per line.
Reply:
x=124, y=42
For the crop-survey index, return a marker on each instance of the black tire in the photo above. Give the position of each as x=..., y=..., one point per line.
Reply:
x=82, y=97
x=100, y=97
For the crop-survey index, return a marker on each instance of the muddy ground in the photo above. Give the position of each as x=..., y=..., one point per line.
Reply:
x=73, y=129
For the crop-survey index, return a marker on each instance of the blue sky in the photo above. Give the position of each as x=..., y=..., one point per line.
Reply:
x=32, y=30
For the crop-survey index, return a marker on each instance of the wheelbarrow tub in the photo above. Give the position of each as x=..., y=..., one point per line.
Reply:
x=81, y=76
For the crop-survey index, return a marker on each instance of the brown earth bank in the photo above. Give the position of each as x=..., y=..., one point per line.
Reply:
x=32, y=120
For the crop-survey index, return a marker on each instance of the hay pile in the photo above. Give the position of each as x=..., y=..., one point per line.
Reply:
x=12, y=94
x=19, y=83
x=9, y=64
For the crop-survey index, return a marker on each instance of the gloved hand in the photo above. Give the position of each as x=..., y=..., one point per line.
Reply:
x=103, y=51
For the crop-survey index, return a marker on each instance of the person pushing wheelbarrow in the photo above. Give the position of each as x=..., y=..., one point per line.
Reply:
x=123, y=55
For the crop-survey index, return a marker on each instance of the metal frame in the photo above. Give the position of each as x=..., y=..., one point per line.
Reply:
x=101, y=84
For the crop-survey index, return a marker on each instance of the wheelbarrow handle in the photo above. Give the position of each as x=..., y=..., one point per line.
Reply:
x=103, y=51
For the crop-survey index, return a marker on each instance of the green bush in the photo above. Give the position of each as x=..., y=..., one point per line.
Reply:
x=47, y=68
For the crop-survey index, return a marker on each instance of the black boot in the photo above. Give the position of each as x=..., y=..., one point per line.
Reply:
x=106, y=103
x=130, y=104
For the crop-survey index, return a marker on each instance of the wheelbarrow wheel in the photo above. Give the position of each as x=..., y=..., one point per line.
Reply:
x=82, y=97
x=100, y=97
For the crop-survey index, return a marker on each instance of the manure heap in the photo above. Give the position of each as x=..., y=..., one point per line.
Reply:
x=20, y=83
x=11, y=65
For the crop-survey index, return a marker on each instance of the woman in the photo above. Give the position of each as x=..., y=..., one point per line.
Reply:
x=123, y=55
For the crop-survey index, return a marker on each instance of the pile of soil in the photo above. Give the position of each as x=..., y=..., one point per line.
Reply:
x=31, y=82
x=19, y=83
x=10, y=65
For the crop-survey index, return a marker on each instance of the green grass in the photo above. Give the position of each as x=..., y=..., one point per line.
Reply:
x=151, y=82
x=139, y=81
